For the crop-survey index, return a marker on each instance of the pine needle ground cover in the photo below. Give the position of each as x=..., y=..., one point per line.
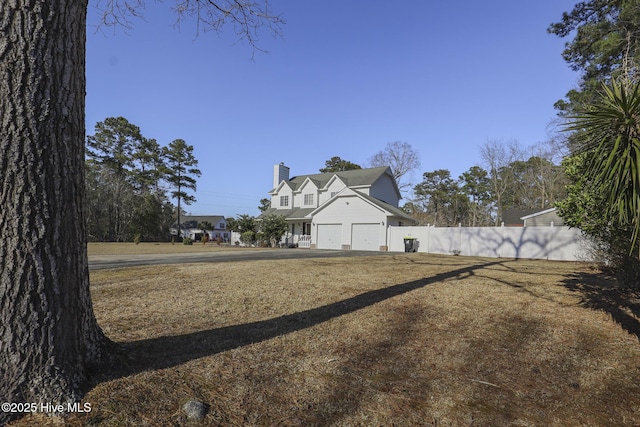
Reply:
x=404, y=340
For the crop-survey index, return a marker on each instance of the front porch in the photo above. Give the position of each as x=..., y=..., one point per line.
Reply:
x=296, y=240
x=298, y=234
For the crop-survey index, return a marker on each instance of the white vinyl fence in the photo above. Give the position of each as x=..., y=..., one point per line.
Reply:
x=552, y=243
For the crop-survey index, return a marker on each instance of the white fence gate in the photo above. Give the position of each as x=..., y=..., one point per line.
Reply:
x=552, y=243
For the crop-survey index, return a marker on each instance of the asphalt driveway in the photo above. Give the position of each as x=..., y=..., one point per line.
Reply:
x=99, y=262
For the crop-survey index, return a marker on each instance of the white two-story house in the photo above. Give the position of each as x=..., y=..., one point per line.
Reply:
x=338, y=210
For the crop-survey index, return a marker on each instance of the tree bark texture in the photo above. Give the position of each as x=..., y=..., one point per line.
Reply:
x=49, y=337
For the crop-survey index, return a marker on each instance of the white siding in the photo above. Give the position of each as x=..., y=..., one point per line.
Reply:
x=544, y=220
x=335, y=187
x=350, y=210
x=383, y=189
x=284, y=191
x=365, y=237
x=329, y=236
x=307, y=188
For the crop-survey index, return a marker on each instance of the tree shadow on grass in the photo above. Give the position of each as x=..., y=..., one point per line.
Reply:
x=604, y=293
x=168, y=351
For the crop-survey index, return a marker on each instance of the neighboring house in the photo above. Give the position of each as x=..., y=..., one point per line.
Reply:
x=189, y=227
x=531, y=218
x=543, y=218
x=513, y=217
x=338, y=210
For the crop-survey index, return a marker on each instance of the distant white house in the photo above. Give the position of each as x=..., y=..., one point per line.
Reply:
x=189, y=227
x=338, y=210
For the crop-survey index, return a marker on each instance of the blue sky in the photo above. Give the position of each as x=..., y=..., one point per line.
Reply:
x=348, y=77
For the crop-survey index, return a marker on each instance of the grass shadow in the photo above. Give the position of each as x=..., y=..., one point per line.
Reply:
x=169, y=351
x=602, y=292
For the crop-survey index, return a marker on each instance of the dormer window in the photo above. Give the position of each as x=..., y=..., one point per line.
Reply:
x=308, y=199
x=284, y=200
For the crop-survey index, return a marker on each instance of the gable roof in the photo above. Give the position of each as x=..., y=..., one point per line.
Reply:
x=397, y=212
x=279, y=186
x=352, y=178
x=538, y=213
x=389, y=209
x=543, y=218
x=333, y=179
x=308, y=181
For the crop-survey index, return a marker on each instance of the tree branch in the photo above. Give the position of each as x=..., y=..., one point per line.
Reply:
x=247, y=17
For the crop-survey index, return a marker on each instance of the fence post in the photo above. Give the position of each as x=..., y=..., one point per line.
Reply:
x=502, y=241
x=550, y=241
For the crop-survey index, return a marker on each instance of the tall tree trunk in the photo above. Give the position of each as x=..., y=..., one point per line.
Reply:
x=179, y=229
x=49, y=337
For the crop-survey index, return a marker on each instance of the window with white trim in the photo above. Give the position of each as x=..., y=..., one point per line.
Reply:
x=308, y=199
x=284, y=200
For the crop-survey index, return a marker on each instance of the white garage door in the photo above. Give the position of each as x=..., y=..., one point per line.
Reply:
x=329, y=236
x=365, y=237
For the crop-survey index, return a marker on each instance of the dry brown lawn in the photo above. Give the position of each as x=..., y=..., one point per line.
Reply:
x=129, y=248
x=403, y=340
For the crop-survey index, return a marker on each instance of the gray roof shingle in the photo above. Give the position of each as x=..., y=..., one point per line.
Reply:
x=352, y=178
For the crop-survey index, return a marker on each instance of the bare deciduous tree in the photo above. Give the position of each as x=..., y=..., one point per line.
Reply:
x=523, y=178
x=401, y=157
x=496, y=157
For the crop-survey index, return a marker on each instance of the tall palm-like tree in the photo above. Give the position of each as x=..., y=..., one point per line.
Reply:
x=609, y=131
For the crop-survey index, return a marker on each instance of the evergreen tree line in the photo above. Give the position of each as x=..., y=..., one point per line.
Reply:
x=512, y=178
x=130, y=181
x=602, y=120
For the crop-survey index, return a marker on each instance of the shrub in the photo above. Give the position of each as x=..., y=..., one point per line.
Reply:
x=247, y=237
x=187, y=241
x=273, y=227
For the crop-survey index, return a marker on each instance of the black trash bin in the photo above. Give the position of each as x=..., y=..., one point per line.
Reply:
x=410, y=244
